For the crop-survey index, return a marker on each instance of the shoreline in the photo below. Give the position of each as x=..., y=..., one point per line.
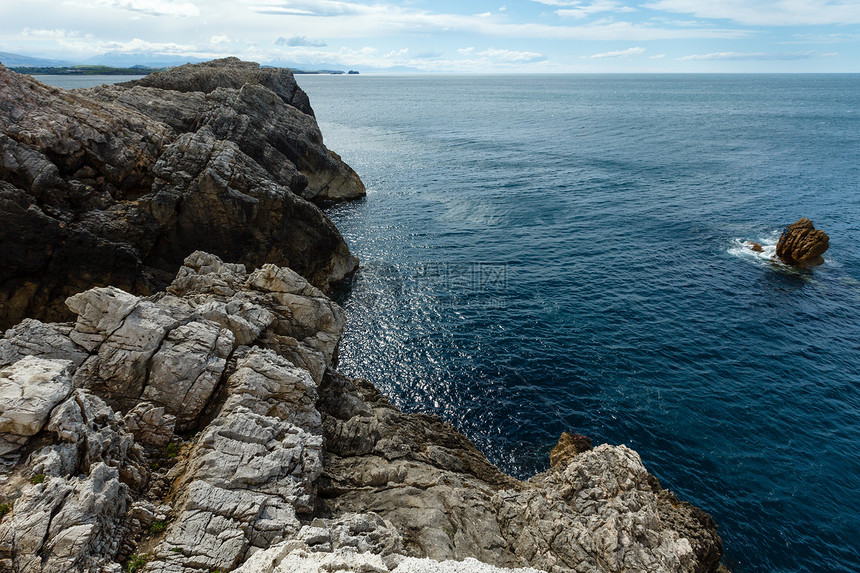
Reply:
x=433, y=493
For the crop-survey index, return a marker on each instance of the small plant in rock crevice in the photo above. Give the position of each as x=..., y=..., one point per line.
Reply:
x=135, y=563
x=172, y=450
x=157, y=527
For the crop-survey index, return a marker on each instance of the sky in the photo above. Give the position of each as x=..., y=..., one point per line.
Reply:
x=536, y=36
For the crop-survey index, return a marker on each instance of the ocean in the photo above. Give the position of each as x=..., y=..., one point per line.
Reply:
x=566, y=253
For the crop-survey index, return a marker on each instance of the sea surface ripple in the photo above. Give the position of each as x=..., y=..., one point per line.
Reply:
x=551, y=253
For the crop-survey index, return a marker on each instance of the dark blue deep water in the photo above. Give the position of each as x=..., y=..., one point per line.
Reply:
x=551, y=253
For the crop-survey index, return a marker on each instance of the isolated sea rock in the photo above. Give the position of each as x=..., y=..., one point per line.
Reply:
x=802, y=245
x=117, y=185
x=254, y=454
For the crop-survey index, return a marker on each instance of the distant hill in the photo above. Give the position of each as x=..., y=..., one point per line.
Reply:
x=16, y=60
x=85, y=70
x=144, y=59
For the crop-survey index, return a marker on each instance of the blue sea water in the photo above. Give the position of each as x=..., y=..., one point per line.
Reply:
x=551, y=253
x=70, y=82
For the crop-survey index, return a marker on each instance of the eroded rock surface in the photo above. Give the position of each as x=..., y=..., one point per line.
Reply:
x=802, y=245
x=116, y=185
x=205, y=428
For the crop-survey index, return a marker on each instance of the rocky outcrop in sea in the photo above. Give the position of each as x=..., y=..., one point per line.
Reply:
x=802, y=245
x=205, y=427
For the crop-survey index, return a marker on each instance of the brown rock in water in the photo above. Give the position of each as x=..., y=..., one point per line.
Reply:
x=116, y=185
x=802, y=245
x=568, y=446
x=755, y=247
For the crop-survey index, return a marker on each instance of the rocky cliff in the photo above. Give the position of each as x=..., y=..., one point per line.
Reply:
x=205, y=427
x=117, y=185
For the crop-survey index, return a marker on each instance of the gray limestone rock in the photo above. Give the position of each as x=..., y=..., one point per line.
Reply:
x=34, y=338
x=29, y=391
x=208, y=430
x=186, y=368
x=66, y=524
x=150, y=424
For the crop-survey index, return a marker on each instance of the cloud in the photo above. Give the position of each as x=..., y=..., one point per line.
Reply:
x=619, y=53
x=558, y=2
x=467, y=51
x=150, y=7
x=511, y=56
x=767, y=12
x=580, y=12
x=340, y=19
x=755, y=56
x=317, y=8
x=50, y=34
x=300, y=41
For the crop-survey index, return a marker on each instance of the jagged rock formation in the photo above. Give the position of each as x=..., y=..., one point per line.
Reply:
x=205, y=429
x=802, y=245
x=568, y=446
x=117, y=185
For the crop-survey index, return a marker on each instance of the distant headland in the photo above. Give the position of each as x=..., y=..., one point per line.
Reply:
x=133, y=71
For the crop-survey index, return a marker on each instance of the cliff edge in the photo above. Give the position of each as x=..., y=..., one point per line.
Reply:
x=116, y=185
x=204, y=427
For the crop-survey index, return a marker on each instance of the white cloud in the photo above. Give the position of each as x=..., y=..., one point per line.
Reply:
x=151, y=7
x=359, y=20
x=511, y=56
x=768, y=12
x=50, y=34
x=598, y=7
x=755, y=56
x=558, y=2
x=620, y=53
x=247, y=28
x=300, y=41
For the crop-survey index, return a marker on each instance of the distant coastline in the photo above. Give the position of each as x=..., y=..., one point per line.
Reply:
x=133, y=71
x=86, y=70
